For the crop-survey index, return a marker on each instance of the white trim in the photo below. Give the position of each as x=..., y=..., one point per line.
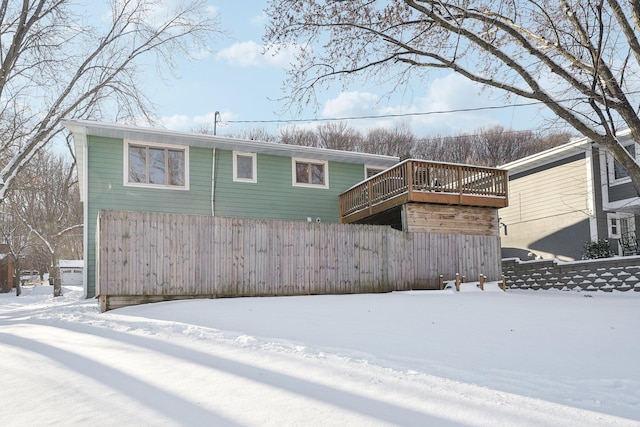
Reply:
x=378, y=168
x=96, y=286
x=254, y=167
x=591, y=202
x=325, y=165
x=611, y=165
x=150, y=135
x=84, y=187
x=125, y=169
x=618, y=216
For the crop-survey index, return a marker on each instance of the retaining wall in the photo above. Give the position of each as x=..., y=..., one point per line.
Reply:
x=606, y=274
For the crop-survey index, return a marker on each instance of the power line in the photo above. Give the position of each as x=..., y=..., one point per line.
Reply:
x=383, y=116
x=424, y=113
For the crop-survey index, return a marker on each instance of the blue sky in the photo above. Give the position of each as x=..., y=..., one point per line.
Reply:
x=240, y=83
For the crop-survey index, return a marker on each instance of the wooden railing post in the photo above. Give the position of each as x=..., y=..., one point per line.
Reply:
x=369, y=194
x=460, y=184
x=409, y=177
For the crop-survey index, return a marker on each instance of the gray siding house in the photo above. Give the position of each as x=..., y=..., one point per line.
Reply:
x=132, y=168
x=565, y=197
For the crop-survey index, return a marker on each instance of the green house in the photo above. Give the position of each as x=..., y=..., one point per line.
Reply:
x=155, y=170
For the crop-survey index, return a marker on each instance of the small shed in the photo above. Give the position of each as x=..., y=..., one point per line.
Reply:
x=71, y=272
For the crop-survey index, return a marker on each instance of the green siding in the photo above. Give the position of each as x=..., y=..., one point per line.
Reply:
x=106, y=190
x=274, y=196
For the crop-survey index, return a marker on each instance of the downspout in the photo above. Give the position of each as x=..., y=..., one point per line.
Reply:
x=213, y=183
x=85, y=211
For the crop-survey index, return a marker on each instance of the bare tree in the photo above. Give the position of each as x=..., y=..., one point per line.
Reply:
x=17, y=239
x=339, y=136
x=254, y=134
x=497, y=146
x=581, y=59
x=44, y=204
x=398, y=141
x=454, y=149
x=298, y=136
x=55, y=64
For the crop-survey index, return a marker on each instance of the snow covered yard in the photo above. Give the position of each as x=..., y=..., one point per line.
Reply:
x=437, y=358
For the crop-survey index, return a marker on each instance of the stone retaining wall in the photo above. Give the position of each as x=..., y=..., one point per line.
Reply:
x=606, y=274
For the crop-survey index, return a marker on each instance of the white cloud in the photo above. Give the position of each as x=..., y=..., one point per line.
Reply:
x=450, y=92
x=185, y=123
x=176, y=122
x=250, y=54
x=259, y=20
x=351, y=104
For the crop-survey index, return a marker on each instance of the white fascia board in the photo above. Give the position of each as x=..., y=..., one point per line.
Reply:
x=164, y=136
x=548, y=156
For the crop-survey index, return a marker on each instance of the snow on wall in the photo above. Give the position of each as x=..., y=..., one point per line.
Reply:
x=605, y=274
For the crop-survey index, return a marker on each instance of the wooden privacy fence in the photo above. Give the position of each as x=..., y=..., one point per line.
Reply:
x=146, y=257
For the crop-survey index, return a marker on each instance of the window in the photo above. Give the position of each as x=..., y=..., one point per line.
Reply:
x=369, y=171
x=245, y=167
x=310, y=173
x=156, y=166
x=617, y=171
x=620, y=224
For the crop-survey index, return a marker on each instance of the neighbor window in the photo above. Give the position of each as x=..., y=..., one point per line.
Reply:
x=156, y=166
x=310, y=173
x=619, y=172
x=245, y=167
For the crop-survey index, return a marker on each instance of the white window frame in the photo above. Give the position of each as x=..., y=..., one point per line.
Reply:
x=378, y=168
x=617, y=216
x=325, y=165
x=611, y=167
x=125, y=171
x=254, y=167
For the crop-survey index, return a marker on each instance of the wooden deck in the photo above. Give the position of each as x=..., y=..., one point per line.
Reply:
x=425, y=182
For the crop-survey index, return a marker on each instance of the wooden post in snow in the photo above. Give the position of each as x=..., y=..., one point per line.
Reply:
x=441, y=280
x=457, y=282
x=482, y=279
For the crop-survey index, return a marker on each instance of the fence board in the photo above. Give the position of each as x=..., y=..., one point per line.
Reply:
x=174, y=256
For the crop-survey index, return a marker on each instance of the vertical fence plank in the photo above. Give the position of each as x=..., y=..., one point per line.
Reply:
x=175, y=255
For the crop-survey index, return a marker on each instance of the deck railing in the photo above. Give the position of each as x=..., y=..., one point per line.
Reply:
x=427, y=182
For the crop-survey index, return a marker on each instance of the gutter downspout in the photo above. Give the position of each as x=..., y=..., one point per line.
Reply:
x=85, y=212
x=213, y=182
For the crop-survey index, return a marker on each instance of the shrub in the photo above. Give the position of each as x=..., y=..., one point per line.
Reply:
x=598, y=249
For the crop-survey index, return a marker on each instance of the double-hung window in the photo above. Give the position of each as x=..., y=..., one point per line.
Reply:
x=310, y=173
x=617, y=172
x=245, y=167
x=156, y=166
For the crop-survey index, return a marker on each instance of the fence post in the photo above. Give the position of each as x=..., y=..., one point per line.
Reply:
x=482, y=277
x=441, y=281
x=457, y=282
x=503, y=283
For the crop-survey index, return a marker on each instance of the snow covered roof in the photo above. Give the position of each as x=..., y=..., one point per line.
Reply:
x=71, y=263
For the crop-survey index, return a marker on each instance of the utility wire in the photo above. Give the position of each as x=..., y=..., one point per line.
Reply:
x=382, y=116
x=424, y=113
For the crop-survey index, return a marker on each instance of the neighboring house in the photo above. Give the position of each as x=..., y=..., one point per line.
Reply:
x=141, y=169
x=71, y=272
x=565, y=197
